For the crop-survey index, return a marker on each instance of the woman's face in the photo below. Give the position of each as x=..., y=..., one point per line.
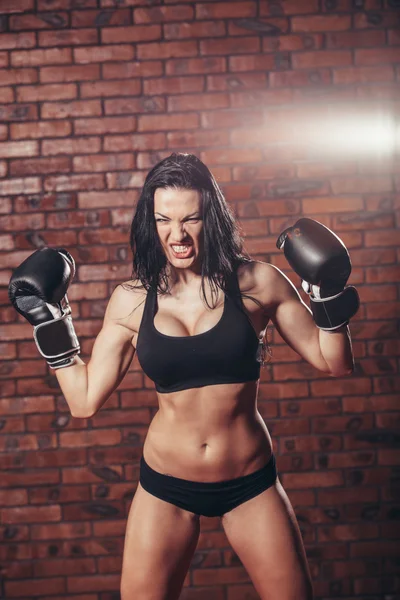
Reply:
x=178, y=216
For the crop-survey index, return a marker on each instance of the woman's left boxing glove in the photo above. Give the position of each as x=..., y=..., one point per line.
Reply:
x=321, y=259
x=37, y=290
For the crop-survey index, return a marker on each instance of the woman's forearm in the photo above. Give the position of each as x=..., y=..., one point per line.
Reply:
x=73, y=381
x=337, y=350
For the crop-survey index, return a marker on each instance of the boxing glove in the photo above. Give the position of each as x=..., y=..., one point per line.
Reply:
x=37, y=290
x=321, y=259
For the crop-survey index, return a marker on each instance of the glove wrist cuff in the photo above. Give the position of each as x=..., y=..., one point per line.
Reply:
x=336, y=311
x=56, y=341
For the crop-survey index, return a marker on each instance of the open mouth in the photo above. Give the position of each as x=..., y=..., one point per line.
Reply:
x=182, y=251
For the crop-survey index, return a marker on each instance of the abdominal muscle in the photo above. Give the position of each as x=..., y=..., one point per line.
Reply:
x=208, y=434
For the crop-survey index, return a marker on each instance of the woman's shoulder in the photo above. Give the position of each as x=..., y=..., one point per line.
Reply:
x=125, y=302
x=255, y=275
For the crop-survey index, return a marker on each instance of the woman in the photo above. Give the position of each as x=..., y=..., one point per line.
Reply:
x=196, y=312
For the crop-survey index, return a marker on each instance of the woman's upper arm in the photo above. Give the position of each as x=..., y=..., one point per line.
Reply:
x=293, y=319
x=113, y=349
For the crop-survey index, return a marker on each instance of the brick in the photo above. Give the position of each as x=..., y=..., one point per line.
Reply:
x=63, y=110
x=7, y=94
x=68, y=37
x=233, y=82
x=315, y=479
x=9, y=41
x=99, y=162
x=230, y=119
x=355, y=39
x=292, y=43
x=16, y=6
x=52, y=585
x=333, y=204
x=90, y=583
x=57, y=531
x=126, y=70
x=72, y=566
x=321, y=23
x=28, y=185
x=48, y=56
x=40, y=129
x=111, y=88
x=22, y=223
x=381, y=238
x=290, y=7
x=368, y=19
x=12, y=149
x=37, y=93
x=69, y=73
x=65, y=183
x=103, y=272
x=99, y=54
x=31, y=514
x=254, y=98
x=231, y=156
x=71, y=146
x=220, y=10
x=359, y=185
x=13, y=497
x=104, y=125
x=229, y=46
x=195, y=139
x=167, y=122
x=142, y=33
x=261, y=172
x=363, y=74
x=393, y=37
x=173, y=85
x=162, y=14
x=322, y=58
x=38, y=21
x=197, y=102
x=4, y=60
x=100, y=18
x=376, y=56
x=125, y=180
x=195, y=66
x=270, y=27
x=40, y=166
x=148, y=141
x=202, y=29
x=6, y=243
x=16, y=76
x=167, y=50
x=104, y=200
x=3, y=172
x=300, y=78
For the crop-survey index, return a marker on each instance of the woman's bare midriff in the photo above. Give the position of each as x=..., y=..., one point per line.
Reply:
x=214, y=433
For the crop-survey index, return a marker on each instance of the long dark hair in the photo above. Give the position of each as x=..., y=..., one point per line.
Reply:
x=223, y=245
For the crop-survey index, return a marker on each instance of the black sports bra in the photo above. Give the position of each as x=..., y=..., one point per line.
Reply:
x=226, y=353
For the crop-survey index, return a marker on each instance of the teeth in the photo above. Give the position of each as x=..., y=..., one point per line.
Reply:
x=180, y=248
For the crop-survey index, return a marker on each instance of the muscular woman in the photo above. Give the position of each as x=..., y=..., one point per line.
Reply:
x=196, y=311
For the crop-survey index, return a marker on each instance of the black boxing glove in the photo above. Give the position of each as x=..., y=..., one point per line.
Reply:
x=37, y=290
x=321, y=259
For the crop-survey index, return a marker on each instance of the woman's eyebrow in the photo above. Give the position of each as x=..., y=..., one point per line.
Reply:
x=187, y=216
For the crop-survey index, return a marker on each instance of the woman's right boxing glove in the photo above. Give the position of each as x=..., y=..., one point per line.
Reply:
x=37, y=290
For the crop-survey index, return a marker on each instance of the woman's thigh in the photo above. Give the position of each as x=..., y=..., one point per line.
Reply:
x=265, y=535
x=160, y=542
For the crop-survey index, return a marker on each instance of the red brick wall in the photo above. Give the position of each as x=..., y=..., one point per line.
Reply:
x=93, y=93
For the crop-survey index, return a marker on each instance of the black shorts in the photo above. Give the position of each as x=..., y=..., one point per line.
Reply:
x=210, y=499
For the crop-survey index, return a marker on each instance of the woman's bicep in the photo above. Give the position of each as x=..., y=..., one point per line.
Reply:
x=111, y=357
x=113, y=349
x=294, y=322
